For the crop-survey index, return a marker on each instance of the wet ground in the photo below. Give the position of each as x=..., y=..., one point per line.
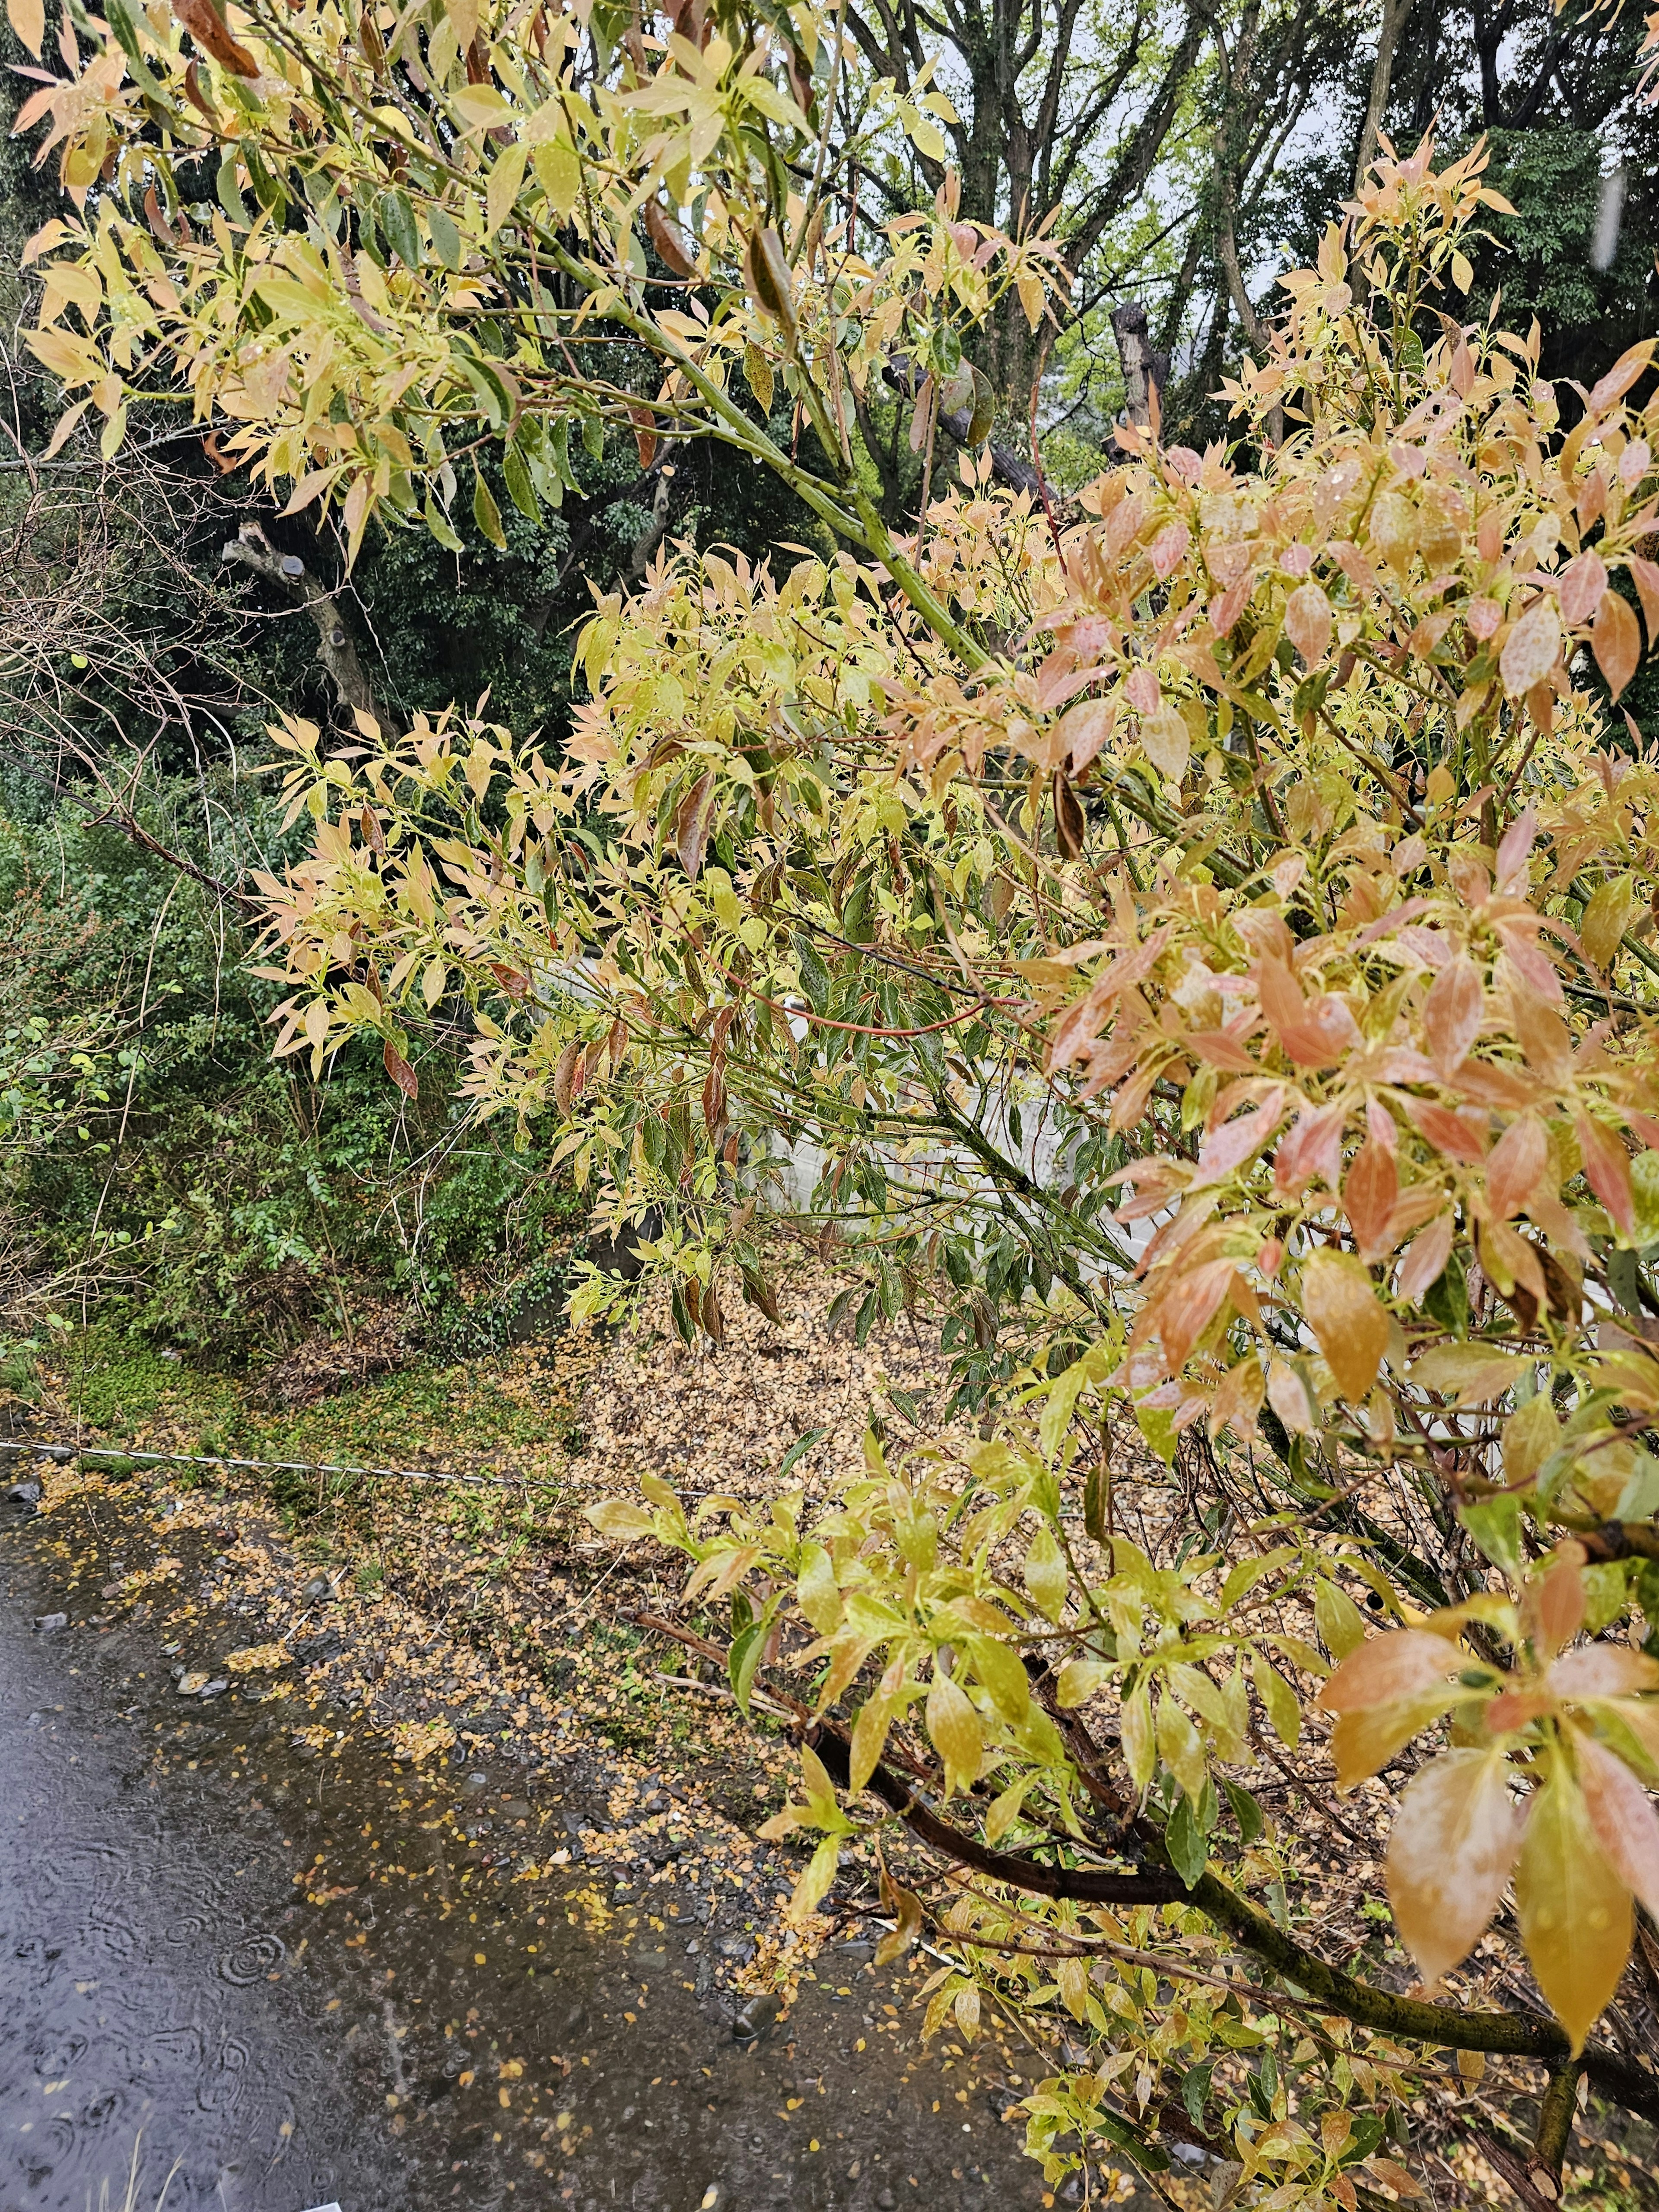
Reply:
x=301, y=1974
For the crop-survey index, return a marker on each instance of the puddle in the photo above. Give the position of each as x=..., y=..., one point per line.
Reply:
x=293, y=1968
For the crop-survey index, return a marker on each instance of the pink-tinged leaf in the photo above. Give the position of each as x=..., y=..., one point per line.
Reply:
x=1405, y=1663
x=1169, y=548
x=1553, y=1610
x=1425, y=1259
x=1458, y=1132
x=1621, y=1812
x=1369, y=1192
x=1645, y=574
x=1582, y=582
x=1602, y=1670
x=1616, y=641
x=1185, y=1309
x=1532, y=648
x=691, y=823
x=1455, y=1840
x=1607, y=1170
x=1227, y=1148
x=1574, y=1909
x=1519, y=1163
x=1142, y=691
x=1085, y=728
x=1620, y=377
x=1515, y=851
x=1308, y=622
x=1452, y=1013
x=1312, y=1148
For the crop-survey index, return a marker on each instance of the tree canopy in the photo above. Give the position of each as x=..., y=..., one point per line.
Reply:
x=1200, y=929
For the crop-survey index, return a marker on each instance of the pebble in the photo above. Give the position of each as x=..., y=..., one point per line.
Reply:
x=48, y=1624
x=475, y=1783
x=319, y=1586
x=24, y=1496
x=758, y=2016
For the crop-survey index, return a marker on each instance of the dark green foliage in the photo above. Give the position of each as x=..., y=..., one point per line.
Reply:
x=224, y=1200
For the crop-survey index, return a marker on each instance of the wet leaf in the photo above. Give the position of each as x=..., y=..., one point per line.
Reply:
x=1574, y=1910
x=1453, y=1843
x=1347, y=1317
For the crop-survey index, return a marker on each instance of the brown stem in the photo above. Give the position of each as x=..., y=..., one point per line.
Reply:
x=1524, y=2035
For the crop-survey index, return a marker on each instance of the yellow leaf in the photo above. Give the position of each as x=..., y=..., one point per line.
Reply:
x=954, y=1727
x=28, y=20
x=1455, y=1839
x=1347, y=1318
x=1462, y=273
x=1181, y=1748
x=560, y=171
x=1046, y=1575
x=1361, y=1742
x=1574, y=1912
x=819, y=1873
x=500, y=194
x=462, y=21
x=1279, y=1700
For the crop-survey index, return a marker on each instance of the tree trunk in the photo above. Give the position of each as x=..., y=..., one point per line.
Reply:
x=1145, y=369
x=1395, y=13
x=336, y=649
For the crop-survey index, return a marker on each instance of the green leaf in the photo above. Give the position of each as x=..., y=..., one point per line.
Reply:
x=798, y=1449
x=742, y=1659
x=521, y=490
x=445, y=237
x=1278, y=1699
x=1495, y=1525
x=397, y=220
x=1188, y=1847
x=1246, y=1811
x=1341, y=1623
x=486, y=513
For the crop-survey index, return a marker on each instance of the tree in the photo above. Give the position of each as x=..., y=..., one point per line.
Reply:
x=1255, y=837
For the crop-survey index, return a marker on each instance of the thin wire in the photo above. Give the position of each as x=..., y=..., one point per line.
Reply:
x=269, y=1465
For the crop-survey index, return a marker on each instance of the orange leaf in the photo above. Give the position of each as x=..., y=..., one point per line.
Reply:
x=1348, y=1319
x=1369, y=1194
x=1645, y=574
x=1455, y=1840
x=1363, y=1743
x=1517, y=1165
x=400, y=1071
x=1552, y=1611
x=1185, y=1309
x=1405, y=1663
x=1452, y=1014
x=1574, y=1910
x=202, y=19
x=1616, y=641
x=1425, y=1259
x=1607, y=1170
x=1308, y=622
x=1621, y=1812
x=1582, y=582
